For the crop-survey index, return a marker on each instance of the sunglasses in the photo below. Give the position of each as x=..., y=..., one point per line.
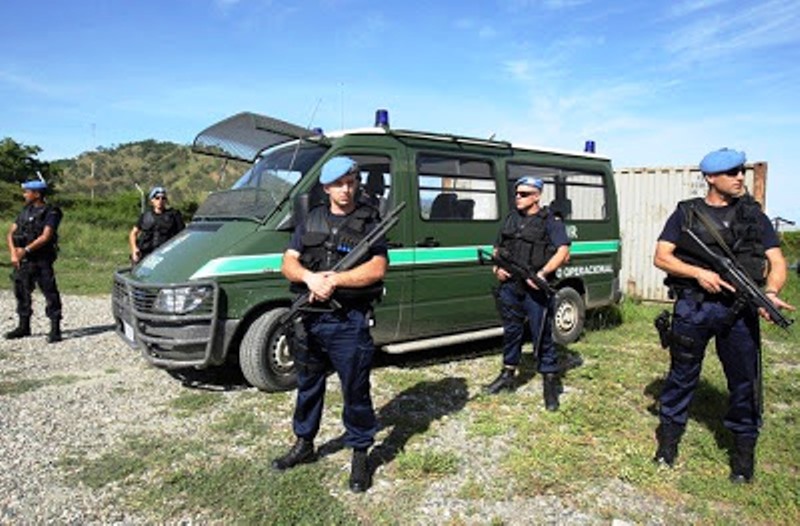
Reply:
x=523, y=194
x=734, y=172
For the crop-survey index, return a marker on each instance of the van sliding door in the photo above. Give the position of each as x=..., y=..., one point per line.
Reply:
x=456, y=212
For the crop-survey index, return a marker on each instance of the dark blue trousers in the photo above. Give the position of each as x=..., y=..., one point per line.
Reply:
x=516, y=305
x=342, y=340
x=700, y=318
x=30, y=274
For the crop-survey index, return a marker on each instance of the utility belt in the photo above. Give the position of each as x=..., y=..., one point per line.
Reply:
x=699, y=295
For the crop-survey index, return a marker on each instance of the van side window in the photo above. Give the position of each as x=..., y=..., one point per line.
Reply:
x=456, y=189
x=573, y=194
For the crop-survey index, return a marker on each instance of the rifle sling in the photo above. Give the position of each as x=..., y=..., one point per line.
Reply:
x=709, y=224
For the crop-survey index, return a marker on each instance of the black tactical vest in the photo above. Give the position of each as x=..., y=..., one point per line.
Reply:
x=524, y=239
x=30, y=225
x=739, y=229
x=157, y=229
x=324, y=245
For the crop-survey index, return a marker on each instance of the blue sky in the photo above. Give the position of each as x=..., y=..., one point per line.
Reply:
x=653, y=83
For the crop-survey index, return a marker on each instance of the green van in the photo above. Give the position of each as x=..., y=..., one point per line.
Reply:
x=215, y=293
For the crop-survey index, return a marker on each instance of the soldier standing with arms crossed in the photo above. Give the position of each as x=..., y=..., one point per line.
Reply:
x=340, y=338
x=534, y=239
x=706, y=307
x=32, y=243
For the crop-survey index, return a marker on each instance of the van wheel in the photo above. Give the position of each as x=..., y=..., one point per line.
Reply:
x=264, y=355
x=569, y=313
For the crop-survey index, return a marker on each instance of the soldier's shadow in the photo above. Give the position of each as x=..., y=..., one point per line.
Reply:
x=409, y=413
x=708, y=408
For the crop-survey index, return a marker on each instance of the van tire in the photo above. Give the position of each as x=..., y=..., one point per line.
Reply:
x=265, y=356
x=569, y=314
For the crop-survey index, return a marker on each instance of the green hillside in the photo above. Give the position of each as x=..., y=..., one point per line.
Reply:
x=109, y=171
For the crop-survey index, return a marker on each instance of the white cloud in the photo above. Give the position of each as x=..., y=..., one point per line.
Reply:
x=689, y=7
x=519, y=69
x=487, y=32
x=721, y=34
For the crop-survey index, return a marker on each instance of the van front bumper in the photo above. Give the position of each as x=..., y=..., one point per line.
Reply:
x=174, y=324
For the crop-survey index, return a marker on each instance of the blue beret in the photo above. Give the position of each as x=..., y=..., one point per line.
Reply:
x=722, y=160
x=37, y=185
x=530, y=181
x=336, y=167
x=157, y=190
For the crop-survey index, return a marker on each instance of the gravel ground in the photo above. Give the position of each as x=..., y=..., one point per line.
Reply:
x=95, y=391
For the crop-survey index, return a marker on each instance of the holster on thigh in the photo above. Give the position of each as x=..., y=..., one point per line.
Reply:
x=682, y=348
x=303, y=359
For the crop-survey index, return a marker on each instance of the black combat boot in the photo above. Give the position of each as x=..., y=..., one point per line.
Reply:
x=360, y=476
x=668, y=437
x=552, y=388
x=505, y=380
x=55, y=331
x=301, y=452
x=22, y=330
x=743, y=459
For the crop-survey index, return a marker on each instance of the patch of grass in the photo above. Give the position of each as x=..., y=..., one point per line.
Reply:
x=244, y=425
x=188, y=403
x=17, y=387
x=136, y=456
x=427, y=463
x=167, y=479
x=485, y=424
x=249, y=492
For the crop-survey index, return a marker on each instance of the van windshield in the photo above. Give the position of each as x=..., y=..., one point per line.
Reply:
x=265, y=185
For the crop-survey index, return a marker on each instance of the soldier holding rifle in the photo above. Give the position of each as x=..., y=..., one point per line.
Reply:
x=33, y=244
x=339, y=337
x=535, y=239
x=730, y=223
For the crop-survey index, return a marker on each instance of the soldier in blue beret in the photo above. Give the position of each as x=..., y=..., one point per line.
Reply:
x=339, y=339
x=731, y=223
x=33, y=245
x=533, y=238
x=155, y=226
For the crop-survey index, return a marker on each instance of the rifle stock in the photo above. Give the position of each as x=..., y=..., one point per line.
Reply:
x=348, y=262
x=517, y=271
x=742, y=282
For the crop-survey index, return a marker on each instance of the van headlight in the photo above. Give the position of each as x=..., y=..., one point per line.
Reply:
x=181, y=300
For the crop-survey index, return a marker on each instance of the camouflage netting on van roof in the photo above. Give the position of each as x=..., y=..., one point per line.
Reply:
x=245, y=135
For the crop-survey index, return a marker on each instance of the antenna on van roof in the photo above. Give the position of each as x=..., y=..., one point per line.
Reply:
x=491, y=137
x=308, y=127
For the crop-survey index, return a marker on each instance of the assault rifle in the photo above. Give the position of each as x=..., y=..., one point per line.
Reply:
x=741, y=281
x=349, y=261
x=517, y=271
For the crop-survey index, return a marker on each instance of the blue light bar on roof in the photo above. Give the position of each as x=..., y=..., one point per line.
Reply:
x=382, y=118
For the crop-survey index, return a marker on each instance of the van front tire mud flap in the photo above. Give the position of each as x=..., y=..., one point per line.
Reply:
x=264, y=354
x=569, y=315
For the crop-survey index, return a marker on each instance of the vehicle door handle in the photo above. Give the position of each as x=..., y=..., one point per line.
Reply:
x=428, y=242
